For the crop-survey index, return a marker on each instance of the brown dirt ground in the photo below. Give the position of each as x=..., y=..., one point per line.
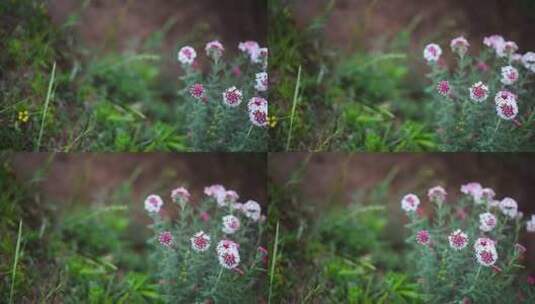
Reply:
x=354, y=23
x=124, y=25
x=123, y=21
x=92, y=177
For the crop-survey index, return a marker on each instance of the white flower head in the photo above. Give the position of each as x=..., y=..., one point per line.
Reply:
x=410, y=202
x=216, y=192
x=231, y=224
x=249, y=47
x=232, y=97
x=509, y=207
x=257, y=103
x=214, y=49
x=479, y=92
x=505, y=96
x=261, y=82
x=187, y=55
x=495, y=42
x=530, y=225
x=180, y=194
x=153, y=203
x=226, y=197
x=458, y=239
x=506, y=106
x=259, y=117
x=475, y=190
x=252, y=210
x=509, y=75
x=528, y=60
x=437, y=194
x=166, y=239
x=229, y=259
x=488, y=194
x=487, y=257
x=200, y=241
x=226, y=245
x=507, y=49
x=432, y=53
x=484, y=243
x=260, y=56
x=487, y=221
x=460, y=46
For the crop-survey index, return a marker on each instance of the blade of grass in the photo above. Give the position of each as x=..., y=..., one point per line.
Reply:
x=274, y=261
x=14, y=273
x=47, y=101
x=296, y=96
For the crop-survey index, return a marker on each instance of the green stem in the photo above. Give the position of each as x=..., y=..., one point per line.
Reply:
x=217, y=281
x=497, y=126
x=273, y=262
x=247, y=137
x=295, y=99
x=47, y=101
x=14, y=273
x=474, y=283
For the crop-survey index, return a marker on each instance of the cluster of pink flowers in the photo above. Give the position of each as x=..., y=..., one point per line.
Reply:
x=502, y=47
x=255, y=53
x=485, y=249
x=229, y=198
x=228, y=254
x=222, y=196
x=227, y=250
x=232, y=96
x=506, y=102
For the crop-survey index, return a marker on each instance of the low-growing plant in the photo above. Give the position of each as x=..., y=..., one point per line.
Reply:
x=486, y=102
x=227, y=109
x=213, y=252
x=468, y=250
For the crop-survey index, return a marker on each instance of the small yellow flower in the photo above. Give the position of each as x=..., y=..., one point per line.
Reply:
x=23, y=116
x=272, y=121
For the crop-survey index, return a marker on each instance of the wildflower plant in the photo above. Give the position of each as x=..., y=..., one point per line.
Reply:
x=485, y=102
x=212, y=252
x=227, y=108
x=467, y=250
